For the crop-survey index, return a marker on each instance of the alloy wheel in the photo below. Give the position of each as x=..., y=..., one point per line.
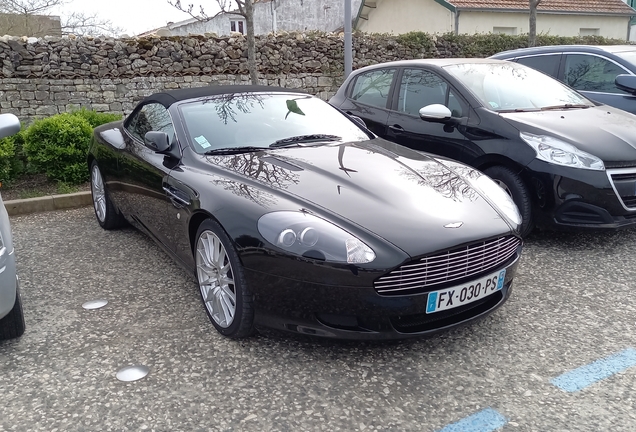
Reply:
x=99, y=194
x=216, y=280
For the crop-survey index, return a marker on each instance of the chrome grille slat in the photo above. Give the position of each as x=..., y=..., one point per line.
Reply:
x=623, y=175
x=448, y=266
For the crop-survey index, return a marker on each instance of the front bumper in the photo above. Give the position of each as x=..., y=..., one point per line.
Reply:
x=569, y=198
x=359, y=313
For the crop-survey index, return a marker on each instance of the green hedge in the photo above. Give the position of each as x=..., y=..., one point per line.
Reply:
x=57, y=146
x=485, y=45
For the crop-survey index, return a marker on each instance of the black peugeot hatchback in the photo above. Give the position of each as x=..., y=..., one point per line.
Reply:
x=567, y=162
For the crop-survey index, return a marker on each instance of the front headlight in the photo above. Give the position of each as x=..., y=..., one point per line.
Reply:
x=558, y=152
x=498, y=197
x=309, y=236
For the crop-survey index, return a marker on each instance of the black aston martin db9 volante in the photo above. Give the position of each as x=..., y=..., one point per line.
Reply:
x=292, y=215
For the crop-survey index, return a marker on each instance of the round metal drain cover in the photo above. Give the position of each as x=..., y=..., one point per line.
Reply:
x=132, y=373
x=95, y=304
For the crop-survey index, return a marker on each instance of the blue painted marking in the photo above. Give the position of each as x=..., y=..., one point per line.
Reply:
x=432, y=302
x=586, y=375
x=484, y=421
x=500, y=281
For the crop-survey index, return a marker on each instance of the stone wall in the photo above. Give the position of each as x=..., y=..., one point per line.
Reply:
x=41, y=77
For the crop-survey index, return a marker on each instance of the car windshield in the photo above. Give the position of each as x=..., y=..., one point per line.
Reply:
x=629, y=56
x=258, y=120
x=505, y=87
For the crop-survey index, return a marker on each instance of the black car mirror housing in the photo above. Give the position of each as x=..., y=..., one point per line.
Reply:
x=626, y=83
x=157, y=141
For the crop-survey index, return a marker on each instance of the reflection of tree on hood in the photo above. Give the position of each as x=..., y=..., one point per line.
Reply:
x=444, y=181
x=252, y=166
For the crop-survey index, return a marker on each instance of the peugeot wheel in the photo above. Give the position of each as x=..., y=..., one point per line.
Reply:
x=515, y=187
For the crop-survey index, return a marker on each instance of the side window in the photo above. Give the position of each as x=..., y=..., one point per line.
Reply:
x=151, y=117
x=548, y=64
x=419, y=88
x=372, y=88
x=591, y=73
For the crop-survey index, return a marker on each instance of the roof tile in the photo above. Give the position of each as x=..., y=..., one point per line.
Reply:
x=572, y=6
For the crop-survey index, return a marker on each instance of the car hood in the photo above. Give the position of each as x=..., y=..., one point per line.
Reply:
x=402, y=196
x=603, y=131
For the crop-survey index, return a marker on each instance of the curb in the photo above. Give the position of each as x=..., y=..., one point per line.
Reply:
x=48, y=203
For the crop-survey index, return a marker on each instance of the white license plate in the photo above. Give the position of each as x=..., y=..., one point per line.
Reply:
x=460, y=295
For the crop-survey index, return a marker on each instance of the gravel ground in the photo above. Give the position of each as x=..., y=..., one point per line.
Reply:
x=572, y=304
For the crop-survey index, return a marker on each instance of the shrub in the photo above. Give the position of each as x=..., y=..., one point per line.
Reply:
x=7, y=154
x=58, y=145
x=95, y=118
x=13, y=162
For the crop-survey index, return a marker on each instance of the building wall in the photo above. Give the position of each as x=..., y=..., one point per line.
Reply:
x=30, y=25
x=285, y=15
x=403, y=16
x=553, y=24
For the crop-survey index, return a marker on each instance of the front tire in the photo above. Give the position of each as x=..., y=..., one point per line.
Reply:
x=107, y=216
x=516, y=188
x=13, y=325
x=222, y=283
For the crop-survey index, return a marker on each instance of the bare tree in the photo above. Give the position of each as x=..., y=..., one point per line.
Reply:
x=26, y=13
x=244, y=8
x=82, y=24
x=532, y=31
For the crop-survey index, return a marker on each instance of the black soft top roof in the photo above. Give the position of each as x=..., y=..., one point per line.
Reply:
x=167, y=98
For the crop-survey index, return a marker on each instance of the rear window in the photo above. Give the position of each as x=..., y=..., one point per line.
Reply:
x=548, y=64
x=372, y=88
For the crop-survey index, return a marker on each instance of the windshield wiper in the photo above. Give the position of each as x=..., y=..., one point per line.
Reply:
x=565, y=106
x=297, y=140
x=233, y=150
x=518, y=110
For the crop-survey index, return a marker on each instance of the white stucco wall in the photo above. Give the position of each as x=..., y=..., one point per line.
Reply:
x=403, y=16
x=553, y=24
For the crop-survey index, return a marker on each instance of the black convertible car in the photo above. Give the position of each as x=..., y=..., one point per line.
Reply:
x=292, y=215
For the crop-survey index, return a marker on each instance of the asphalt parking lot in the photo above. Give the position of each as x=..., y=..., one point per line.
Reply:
x=572, y=305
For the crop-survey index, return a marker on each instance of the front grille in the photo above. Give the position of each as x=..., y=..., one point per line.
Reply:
x=619, y=164
x=428, y=273
x=624, y=184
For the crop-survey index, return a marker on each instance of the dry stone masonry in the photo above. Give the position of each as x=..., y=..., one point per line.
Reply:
x=42, y=77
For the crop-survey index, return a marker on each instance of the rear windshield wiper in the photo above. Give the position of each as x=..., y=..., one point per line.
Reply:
x=565, y=106
x=234, y=150
x=304, y=139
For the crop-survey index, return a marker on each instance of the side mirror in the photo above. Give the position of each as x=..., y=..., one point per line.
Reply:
x=9, y=125
x=357, y=120
x=626, y=83
x=157, y=141
x=437, y=113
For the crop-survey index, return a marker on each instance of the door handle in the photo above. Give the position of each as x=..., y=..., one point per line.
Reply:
x=397, y=129
x=174, y=196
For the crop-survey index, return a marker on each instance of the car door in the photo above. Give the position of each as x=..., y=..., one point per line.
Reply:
x=369, y=96
x=594, y=75
x=144, y=171
x=416, y=89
